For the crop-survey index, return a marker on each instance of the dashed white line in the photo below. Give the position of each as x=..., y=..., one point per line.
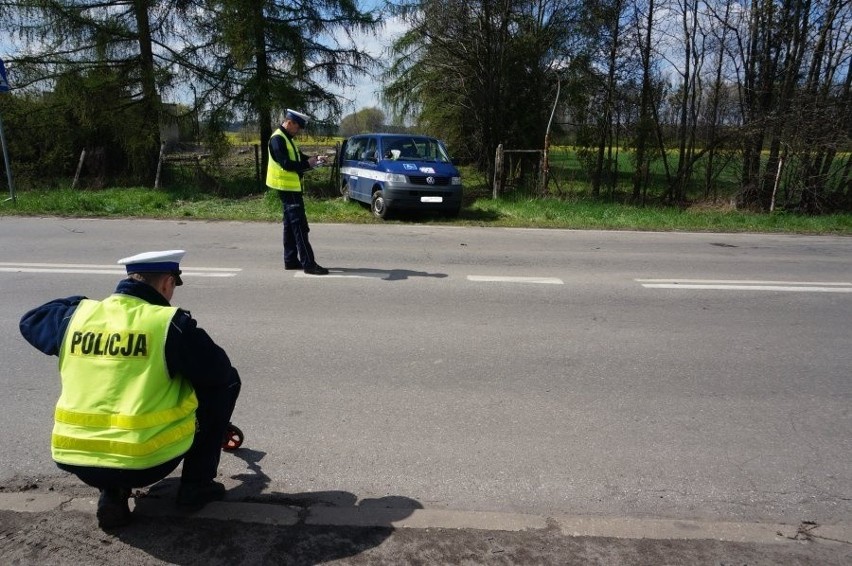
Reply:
x=340, y=275
x=508, y=279
x=478, y=278
x=744, y=282
x=745, y=285
x=85, y=269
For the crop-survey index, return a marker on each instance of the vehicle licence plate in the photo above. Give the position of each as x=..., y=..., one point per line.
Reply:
x=431, y=199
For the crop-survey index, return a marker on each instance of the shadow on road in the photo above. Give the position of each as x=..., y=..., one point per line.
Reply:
x=387, y=274
x=176, y=538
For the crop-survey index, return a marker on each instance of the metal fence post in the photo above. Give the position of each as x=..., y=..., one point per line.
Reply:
x=8, y=164
x=4, y=87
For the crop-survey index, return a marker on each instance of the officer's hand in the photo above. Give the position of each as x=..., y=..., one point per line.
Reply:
x=313, y=161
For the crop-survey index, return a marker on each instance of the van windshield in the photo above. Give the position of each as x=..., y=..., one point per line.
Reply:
x=414, y=148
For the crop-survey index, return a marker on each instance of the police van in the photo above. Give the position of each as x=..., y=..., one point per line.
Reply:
x=399, y=172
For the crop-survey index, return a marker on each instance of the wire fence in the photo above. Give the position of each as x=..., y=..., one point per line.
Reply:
x=238, y=173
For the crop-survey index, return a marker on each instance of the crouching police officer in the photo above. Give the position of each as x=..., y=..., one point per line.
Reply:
x=143, y=387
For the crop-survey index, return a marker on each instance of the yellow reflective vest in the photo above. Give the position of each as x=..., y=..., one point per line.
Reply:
x=119, y=408
x=279, y=178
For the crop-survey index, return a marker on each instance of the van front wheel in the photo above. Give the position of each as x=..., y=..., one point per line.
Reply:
x=378, y=205
x=344, y=192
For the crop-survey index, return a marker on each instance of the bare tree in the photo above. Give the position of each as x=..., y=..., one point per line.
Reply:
x=645, y=128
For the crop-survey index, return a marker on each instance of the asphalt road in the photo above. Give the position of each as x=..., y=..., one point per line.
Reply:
x=546, y=372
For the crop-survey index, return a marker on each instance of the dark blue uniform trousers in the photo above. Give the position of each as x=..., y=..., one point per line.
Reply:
x=201, y=461
x=296, y=245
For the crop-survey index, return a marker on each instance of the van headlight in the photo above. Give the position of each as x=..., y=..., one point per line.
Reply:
x=455, y=181
x=395, y=178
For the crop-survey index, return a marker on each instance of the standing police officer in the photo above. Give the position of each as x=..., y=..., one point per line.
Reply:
x=284, y=173
x=143, y=387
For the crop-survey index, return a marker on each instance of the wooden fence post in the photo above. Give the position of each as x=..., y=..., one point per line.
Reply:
x=257, y=168
x=334, y=171
x=545, y=165
x=79, y=168
x=160, y=164
x=498, y=172
x=775, y=187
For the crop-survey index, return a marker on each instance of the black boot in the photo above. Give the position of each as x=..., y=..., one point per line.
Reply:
x=113, y=509
x=192, y=496
x=316, y=270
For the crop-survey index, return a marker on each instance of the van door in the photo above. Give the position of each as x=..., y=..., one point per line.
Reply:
x=350, y=155
x=367, y=168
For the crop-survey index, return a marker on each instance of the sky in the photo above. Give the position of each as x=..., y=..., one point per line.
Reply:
x=364, y=93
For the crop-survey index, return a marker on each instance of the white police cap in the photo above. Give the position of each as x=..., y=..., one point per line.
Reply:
x=167, y=261
x=298, y=117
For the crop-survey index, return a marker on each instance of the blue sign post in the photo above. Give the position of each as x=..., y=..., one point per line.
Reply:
x=4, y=87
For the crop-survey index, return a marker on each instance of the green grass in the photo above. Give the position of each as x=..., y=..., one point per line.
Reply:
x=231, y=193
x=482, y=211
x=602, y=216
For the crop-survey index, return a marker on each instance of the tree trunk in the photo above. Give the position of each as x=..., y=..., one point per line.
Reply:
x=262, y=93
x=150, y=99
x=640, y=175
x=605, y=131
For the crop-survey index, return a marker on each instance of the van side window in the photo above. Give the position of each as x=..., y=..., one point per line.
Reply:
x=371, y=153
x=354, y=148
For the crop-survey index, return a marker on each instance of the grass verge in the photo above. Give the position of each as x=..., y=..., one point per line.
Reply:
x=531, y=213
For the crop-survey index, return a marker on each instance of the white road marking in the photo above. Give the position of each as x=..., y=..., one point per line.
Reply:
x=744, y=282
x=740, y=285
x=479, y=278
x=508, y=279
x=342, y=275
x=9, y=267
